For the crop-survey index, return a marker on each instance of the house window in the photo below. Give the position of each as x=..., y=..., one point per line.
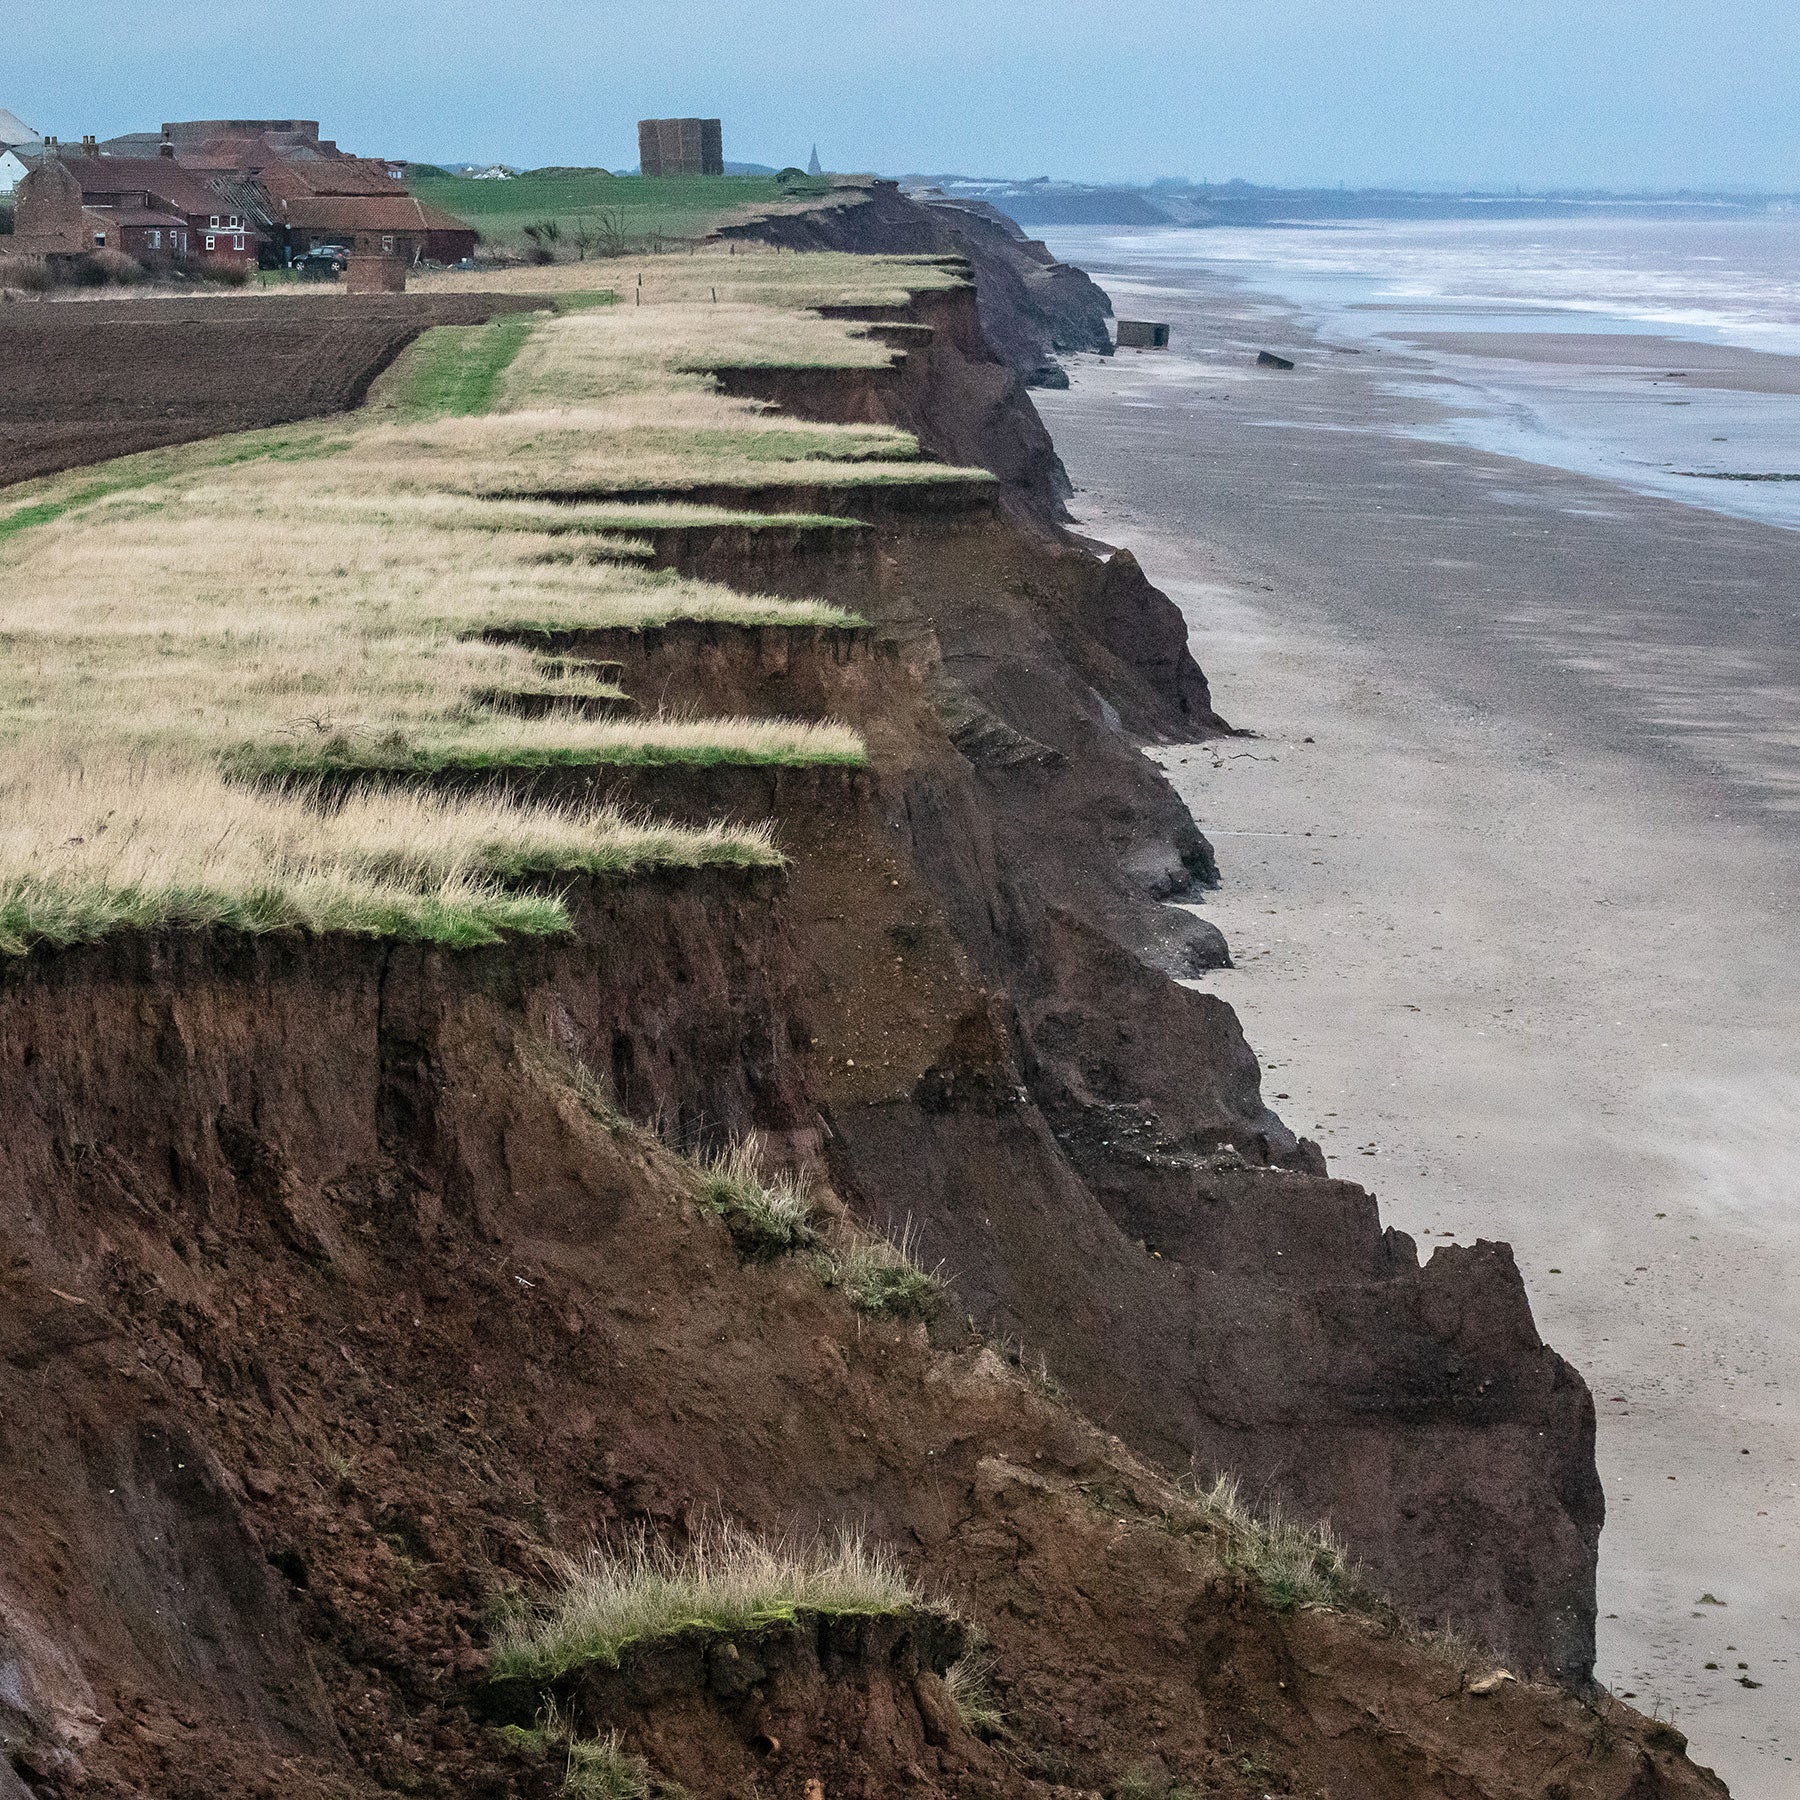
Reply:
x=232, y=221
x=156, y=240
x=215, y=221
x=209, y=240
x=237, y=243
x=100, y=240
x=387, y=246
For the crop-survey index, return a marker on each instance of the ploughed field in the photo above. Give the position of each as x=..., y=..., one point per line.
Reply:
x=91, y=379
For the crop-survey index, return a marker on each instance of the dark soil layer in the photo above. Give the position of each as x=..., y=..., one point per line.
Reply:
x=829, y=1697
x=775, y=671
x=335, y=1299
x=91, y=379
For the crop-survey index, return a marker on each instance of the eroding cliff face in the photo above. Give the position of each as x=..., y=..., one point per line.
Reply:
x=334, y=1302
x=1033, y=307
x=1108, y=1185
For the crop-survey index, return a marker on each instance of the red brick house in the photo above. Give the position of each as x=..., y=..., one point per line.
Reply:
x=396, y=225
x=149, y=208
x=356, y=202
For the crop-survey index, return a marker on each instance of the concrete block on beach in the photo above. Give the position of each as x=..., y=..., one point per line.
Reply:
x=1142, y=334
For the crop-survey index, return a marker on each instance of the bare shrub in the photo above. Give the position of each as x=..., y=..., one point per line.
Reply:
x=543, y=235
x=27, y=273
x=104, y=268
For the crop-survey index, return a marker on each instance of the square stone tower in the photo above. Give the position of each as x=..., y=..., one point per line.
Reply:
x=681, y=146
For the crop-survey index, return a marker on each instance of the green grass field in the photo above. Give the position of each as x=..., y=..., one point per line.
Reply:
x=641, y=208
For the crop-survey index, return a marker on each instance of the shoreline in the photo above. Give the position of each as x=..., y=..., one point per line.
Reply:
x=1691, y=414
x=1528, y=976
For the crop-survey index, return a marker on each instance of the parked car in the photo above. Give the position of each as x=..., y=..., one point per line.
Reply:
x=323, y=262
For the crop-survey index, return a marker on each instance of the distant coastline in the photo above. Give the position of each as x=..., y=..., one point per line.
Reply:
x=1041, y=201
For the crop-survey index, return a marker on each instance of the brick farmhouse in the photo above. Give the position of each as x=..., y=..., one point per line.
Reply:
x=217, y=195
x=149, y=208
x=356, y=203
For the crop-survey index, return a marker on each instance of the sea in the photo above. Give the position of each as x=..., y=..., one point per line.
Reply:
x=1704, y=435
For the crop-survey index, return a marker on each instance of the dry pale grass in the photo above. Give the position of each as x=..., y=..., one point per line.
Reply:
x=753, y=274
x=159, y=628
x=725, y=1581
x=623, y=350
x=342, y=594
x=545, y=453
x=505, y=740
x=90, y=844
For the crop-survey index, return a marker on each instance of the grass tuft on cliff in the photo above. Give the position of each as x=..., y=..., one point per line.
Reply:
x=767, y=1215
x=602, y=1768
x=969, y=1683
x=882, y=1275
x=1299, y=1565
x=725, y=1581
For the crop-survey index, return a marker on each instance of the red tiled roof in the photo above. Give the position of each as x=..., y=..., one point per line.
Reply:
x=353, y=212
x=223, y=154
x=353, y=176
x=158, y=175
x=132, y=215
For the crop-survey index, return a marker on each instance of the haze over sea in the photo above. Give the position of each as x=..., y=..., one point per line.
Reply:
x=1472, y=299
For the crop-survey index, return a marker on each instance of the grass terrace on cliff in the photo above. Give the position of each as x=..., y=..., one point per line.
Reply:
x=186, y=628
x=89, y=845
x=725, y=1581
x=593, y=208
x=505, y=741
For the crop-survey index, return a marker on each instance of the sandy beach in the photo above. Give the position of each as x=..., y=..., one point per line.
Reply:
x=1509, y=874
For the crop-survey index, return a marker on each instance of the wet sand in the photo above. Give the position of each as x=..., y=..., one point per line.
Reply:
x=1655, y=359
x=1510, y=876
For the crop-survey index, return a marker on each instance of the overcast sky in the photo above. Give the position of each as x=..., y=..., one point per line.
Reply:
x=1614, y=93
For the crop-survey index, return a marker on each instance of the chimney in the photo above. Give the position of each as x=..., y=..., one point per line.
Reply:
x=165, y=148
x=88, y=146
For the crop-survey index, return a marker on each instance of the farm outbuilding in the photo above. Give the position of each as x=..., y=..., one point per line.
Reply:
x=392, y=225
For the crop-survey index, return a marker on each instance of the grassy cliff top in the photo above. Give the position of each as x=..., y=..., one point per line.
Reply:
x=634, y=207
x=184, y=625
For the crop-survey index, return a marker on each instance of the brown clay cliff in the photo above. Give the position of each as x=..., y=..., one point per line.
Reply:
x=329, y=1308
